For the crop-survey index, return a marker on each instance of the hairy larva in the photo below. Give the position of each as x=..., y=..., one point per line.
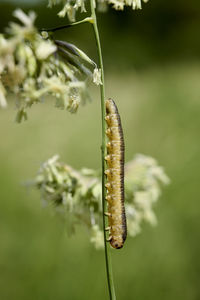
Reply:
x=115, y=177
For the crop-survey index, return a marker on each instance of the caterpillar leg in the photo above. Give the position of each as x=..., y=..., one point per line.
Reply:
x=108, y=228
x=108, y=198
x=107, y=172
x=107, y=214
x=108, y=132
x=109, y=239
x=108, y=185
x=107, y=118
x=107, y=158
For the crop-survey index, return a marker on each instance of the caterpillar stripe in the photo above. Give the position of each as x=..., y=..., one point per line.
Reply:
x=115, y=177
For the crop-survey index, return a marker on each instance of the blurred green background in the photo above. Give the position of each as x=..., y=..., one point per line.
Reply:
x=152, y=62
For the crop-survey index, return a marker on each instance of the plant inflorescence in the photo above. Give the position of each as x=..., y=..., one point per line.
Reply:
x=33, y=67
x=77, y=194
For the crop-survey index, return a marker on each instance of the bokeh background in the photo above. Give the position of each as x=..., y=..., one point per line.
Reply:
x=152, y=63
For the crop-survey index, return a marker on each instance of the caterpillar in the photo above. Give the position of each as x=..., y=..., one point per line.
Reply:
x=115, y=177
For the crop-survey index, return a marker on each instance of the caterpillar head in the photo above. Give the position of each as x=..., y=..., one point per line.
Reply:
x=116, y=243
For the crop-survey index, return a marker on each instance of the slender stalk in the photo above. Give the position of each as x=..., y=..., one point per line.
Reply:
x=66, y=26
x=103, y=149
x=93, y=21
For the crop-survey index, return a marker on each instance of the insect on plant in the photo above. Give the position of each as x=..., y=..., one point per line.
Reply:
x=34, y=65
x=115, y=177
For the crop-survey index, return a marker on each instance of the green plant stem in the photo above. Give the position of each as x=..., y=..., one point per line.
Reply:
x=67, y=26
x=103, y=149
x=93, y=21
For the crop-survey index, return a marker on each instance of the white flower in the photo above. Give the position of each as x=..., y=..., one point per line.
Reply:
x=78, y=194
x=118, y=5
x=31, y=61
x=97, y=76
x=27, y=20
x=7, y=48
x=150, y=217
x=53, y=2
x=154, y=191
x=44, y=49
x=69, y=10
x=65, y=9
x=3, y=102
x=146, y=160
x=136, y=4
x=133, y=227
x=159, y=173
x=143, y=178
x=97, y=237
x=55, y=85
x=81, y=4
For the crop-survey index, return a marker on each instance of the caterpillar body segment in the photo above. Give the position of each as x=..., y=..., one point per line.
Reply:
x=113, y=147
x=112, y=133
x=111, y=119
x=113, y=160
x=115, y=177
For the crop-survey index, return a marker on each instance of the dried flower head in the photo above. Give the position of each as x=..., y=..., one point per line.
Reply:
x=70, y=7
x=77, y=194
x=143, y=178
x=97, y=76
x=32, y=67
